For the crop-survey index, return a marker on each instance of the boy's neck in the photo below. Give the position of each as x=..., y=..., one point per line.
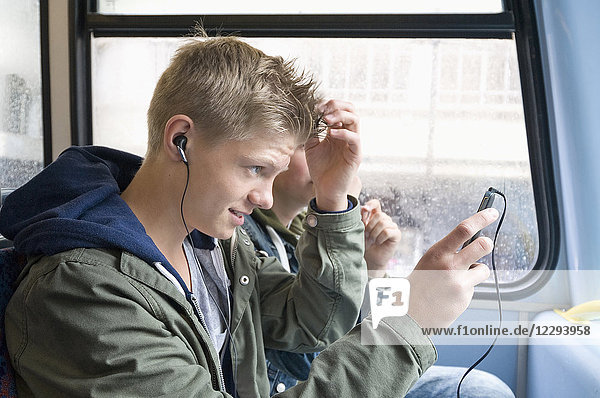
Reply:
x=151, y=196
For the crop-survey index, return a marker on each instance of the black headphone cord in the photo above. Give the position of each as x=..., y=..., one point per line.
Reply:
x=191, y=241
x=497, y=293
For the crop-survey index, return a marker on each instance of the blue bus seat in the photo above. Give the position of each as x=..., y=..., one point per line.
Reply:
x=565, y=368
x=11, y=264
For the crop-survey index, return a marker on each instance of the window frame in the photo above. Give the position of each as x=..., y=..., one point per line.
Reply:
x=517, y=20
x=45, y=83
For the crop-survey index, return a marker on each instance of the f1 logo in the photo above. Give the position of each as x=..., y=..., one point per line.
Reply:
x=389, y=297
x=381, y=295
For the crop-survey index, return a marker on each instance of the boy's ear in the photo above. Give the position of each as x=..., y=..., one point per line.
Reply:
x=176, y=126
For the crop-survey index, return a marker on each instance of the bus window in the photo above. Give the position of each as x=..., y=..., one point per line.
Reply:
x=442, y=119
x=21, y=132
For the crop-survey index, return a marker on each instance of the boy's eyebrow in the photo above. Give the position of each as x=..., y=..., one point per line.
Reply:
x=265, y=160
x=259, y=159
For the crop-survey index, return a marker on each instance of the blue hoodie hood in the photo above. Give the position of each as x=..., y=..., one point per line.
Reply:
x=75, y=202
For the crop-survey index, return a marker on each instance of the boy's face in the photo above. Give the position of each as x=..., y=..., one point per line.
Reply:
x=229, y=180
x=295, y=185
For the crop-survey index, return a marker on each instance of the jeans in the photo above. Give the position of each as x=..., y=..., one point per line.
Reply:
x=279, y=380
x=442, y=381
x=286, y=368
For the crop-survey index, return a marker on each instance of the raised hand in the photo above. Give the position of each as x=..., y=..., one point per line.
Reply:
x=443, y=282
x=382, y=237
x=333, y=160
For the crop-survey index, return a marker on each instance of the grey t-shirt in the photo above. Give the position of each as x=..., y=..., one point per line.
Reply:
x=208, y=277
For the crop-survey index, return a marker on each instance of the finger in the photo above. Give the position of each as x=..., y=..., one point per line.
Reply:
x=374, y=220
x=373, y=204
x=367, y=210
x=380, y=218
x=341, y=118
x=383, y=230
x=380, y=225
x=475, y=250
x=365, y=215
x=466, y=229
x=333, y=104
x=390, y=234
x=376, y=231
x=477, y=274
x=350, y=137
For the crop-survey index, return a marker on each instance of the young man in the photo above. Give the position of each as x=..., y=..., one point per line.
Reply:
x=276, y=232
x=117, y=300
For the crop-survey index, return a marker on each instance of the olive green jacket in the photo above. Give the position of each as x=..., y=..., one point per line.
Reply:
x=103, y=323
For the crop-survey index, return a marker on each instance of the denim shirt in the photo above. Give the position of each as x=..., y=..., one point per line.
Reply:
x=284, y=368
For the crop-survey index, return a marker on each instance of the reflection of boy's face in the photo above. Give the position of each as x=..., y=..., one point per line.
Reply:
x=229, y=180
x=295, y=184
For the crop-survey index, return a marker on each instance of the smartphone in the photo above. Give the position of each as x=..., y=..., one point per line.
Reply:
x=486, y=202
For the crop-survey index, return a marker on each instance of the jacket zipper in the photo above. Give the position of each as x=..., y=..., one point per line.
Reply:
x=233, y=255
x=219, y=372
x=233, y=353
x=220, y=377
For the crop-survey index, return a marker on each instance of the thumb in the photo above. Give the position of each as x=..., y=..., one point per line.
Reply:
x=477, y=273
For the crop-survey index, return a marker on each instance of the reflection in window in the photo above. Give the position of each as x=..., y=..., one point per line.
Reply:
x=442, y=120
x=21, y=146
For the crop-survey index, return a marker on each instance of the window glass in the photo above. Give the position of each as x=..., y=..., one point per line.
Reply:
x=21, y=142
x=442, y=120
x=304, y=7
